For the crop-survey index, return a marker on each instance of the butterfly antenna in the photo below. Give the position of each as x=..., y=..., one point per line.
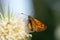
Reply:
x=24, y=14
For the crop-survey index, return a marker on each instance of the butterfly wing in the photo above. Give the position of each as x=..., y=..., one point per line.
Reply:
x=35, y=25
x=39, y=25
x=31, y=24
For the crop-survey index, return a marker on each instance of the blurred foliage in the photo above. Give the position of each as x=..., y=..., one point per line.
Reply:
x=45, y=15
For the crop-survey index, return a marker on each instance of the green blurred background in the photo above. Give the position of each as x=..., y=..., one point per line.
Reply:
x=47, y=11
x=44, y=13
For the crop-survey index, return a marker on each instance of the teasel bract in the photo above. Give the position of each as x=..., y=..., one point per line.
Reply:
x=12, y=28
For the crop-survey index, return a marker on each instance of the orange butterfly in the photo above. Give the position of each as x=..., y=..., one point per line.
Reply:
x=35, y=25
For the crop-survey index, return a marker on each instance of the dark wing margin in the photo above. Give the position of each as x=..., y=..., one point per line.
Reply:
x=30, y=25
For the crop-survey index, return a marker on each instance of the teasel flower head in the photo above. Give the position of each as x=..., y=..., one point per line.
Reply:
x=12, y=28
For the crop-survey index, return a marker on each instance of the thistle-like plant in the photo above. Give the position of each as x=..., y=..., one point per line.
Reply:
x=12, y=28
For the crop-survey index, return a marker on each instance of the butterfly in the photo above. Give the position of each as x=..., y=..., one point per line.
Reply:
x=35, y=25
